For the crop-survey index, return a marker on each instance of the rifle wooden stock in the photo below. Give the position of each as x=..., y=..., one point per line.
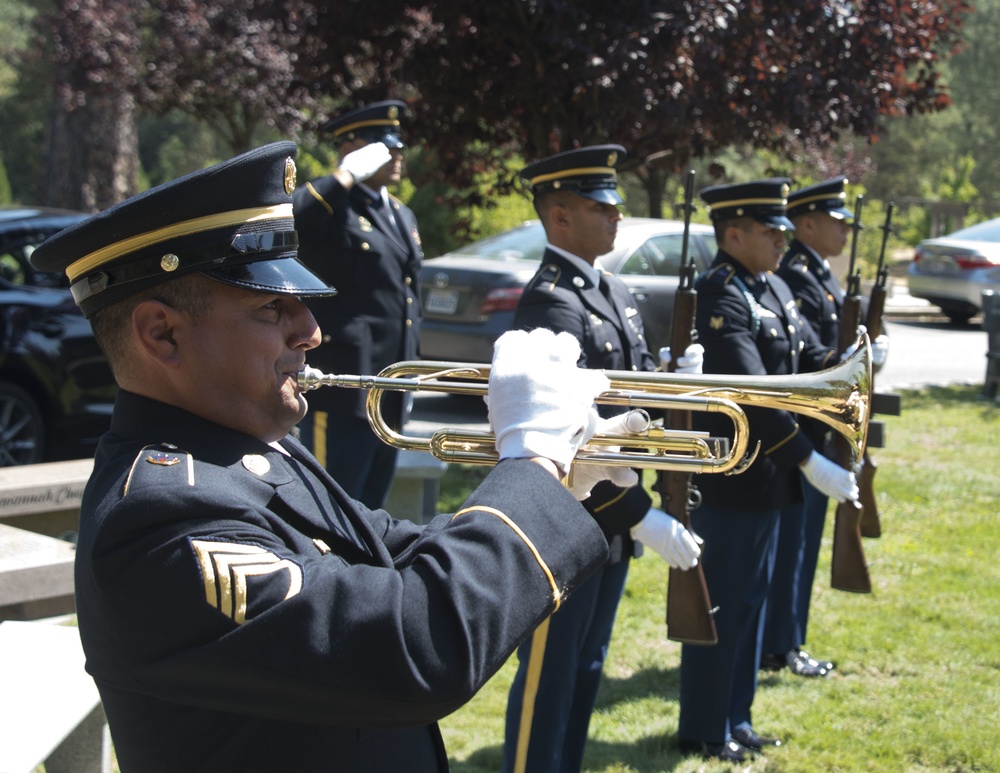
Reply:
x=871, y=523
x=848, y=567
x=849, y=572
x=689, y=608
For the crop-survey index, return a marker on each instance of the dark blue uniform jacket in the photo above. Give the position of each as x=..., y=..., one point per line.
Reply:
x=751, y=327
x=562, y=298
x=240, y=613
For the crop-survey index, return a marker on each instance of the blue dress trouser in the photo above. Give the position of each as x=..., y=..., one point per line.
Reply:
x=800, y=535
x=567, y=678
x=718, y=682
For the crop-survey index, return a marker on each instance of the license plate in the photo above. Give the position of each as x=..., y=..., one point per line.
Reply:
x=441, y=302
x=936, y=266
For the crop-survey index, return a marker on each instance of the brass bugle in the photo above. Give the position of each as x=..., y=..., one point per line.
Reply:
x=839, y=397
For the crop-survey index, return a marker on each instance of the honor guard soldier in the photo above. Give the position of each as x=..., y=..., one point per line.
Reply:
x=822, y=223
x=748, y=323
x=559, y=672
x=363, y=241
x=238, y=610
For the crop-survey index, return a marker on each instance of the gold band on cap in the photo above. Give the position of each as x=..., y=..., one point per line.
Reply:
x=104, y=255
x=819, y=197
x=361, y=124
x=744, y=202
x=563, y=173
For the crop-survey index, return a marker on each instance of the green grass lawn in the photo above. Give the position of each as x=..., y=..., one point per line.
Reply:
x=917, y=685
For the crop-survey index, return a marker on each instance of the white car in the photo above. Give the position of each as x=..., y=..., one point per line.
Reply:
x=952, y=271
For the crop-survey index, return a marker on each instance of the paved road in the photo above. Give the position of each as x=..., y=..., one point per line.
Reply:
x=930, y=351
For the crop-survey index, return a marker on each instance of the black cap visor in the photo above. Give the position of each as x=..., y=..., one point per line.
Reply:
x=287, y=276
x=603, y=195
x=780, y=222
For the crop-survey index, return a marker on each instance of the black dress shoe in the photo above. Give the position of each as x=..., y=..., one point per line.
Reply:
x=800, y=664
x=827, y=664
x=748, y=738
x=730, y=751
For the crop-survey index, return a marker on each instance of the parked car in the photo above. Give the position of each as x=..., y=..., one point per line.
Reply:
x=952, y=271
x=56, y=388
x=469, y=295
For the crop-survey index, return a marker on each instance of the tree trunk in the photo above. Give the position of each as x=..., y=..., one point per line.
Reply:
x=655, y=183
x=92, y=158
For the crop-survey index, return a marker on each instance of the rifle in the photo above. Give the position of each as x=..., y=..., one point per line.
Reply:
x=689, y=608
x=871, y=524
x=849, y=570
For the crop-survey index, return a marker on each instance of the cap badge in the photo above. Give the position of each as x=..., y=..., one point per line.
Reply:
x=393, y=112
x=784, y=190
x=256, y=463
x=289, y=175
x=169, y=262
x=612, y=158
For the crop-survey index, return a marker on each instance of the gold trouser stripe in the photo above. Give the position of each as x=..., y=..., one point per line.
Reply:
x=556, y=595
x=534, y=675
x=319, y=436
x=320, y=199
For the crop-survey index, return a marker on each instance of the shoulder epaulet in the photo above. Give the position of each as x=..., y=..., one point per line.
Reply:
x=548, y=274
x=721, y=274
x=155, y=463
x=798, y=262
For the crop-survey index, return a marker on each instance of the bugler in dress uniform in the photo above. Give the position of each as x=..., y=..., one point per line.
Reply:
x=238, y=610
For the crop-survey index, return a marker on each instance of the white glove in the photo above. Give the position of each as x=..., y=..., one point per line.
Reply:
x=540, y=403
x=830, y=478
x=862, y=331
x=366, y=161
x=667, y=536
x=690, y=362
x=880, y=350
x=583, y=477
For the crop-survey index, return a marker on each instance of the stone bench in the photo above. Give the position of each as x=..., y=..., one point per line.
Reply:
x=44, y=497
x=50, y=710
x=36, y=575
x=39, y=502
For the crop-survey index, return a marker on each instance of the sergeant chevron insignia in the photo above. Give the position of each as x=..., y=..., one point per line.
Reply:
x=228, y=570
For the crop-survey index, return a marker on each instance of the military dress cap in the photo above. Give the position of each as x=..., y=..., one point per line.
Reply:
x=828, y=196
x=589, y=172
x=378, y=122
x=232, y=221
x=762, y=200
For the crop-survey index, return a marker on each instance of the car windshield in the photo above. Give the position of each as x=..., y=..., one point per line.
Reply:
x=981, y=232
x=524, y=243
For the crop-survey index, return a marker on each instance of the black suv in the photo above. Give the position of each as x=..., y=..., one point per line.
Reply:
x=56, y=389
